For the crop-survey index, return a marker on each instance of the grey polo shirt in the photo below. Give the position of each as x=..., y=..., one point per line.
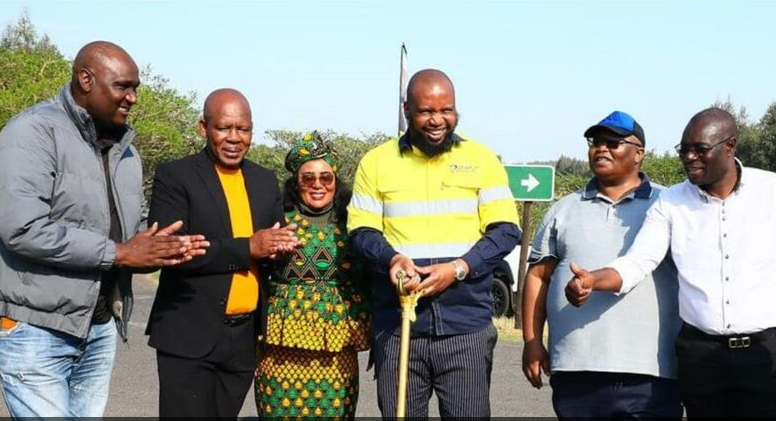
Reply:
x=630, y=333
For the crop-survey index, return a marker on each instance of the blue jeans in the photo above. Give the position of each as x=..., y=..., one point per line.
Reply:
x=46, y=373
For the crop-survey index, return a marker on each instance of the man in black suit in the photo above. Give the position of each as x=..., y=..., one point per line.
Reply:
x=208, y=312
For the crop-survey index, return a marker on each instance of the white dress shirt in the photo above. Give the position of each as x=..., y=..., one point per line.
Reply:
x=724, y=251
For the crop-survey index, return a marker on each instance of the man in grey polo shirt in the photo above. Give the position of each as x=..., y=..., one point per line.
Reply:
x=613, y=357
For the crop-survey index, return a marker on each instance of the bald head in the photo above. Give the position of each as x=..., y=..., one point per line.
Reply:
x=715, y=123
x=708, y=151
x=94, y=55
x=227, y=125
x=430, y=111
x=428, y=80
x=215, y=102
x=105, y=80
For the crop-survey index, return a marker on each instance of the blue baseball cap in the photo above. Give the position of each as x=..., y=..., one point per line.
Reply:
x=619, y=123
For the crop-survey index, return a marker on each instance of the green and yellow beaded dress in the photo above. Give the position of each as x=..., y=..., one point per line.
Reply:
x=317, y=322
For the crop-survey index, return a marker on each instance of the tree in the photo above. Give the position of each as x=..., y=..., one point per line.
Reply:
x=166, y=122
x=568, y=165
x=24, y=37
x=350, y=149
x=663, y=169
x=756, y=141
x=32, y=70
x=766, y=138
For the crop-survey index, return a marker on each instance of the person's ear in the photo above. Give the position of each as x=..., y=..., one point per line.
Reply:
x=85, y=80
x=202, y=127
x=731, y=145
x=639, y=157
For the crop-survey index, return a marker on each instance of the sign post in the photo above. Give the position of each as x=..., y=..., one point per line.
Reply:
x=528, y=183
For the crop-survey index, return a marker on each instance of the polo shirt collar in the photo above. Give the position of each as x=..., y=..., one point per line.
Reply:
x=643, y=191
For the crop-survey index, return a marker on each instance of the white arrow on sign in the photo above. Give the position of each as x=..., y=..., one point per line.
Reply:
x=530, y=183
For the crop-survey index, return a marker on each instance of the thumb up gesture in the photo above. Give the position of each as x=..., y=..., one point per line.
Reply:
x=580, y=286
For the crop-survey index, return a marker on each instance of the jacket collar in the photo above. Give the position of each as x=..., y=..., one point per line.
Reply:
x=84, y=123
x=256, y=193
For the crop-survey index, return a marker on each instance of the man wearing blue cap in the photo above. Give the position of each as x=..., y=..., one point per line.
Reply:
x=614, y=357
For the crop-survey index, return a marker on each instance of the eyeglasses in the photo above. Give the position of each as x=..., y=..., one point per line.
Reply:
x=610, y=143
x=699, y=149
x=308, y=179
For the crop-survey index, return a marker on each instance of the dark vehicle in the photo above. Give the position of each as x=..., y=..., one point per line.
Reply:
x=504, y=282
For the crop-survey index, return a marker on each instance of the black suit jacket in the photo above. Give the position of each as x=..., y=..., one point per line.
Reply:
x=188, y=311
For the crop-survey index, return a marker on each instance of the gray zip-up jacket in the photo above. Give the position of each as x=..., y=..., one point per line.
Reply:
x=54, y=216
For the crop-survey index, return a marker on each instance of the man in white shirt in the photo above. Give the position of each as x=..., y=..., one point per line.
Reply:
x=719, y=225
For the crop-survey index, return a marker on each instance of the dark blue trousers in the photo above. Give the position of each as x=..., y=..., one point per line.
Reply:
x=614, y=395
x=456, y=368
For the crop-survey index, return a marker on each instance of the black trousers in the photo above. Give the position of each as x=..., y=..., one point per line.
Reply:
x=722, y=376
x=212, y=386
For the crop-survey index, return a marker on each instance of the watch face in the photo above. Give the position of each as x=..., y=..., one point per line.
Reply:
x=459, y=272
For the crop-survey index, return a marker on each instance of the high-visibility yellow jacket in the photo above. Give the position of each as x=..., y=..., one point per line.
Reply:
x=431, y=208
x=434, y=210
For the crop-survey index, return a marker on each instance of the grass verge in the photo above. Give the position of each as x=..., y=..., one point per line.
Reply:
x=506, y=329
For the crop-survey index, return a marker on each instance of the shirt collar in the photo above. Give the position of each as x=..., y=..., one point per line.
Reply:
x=740, y=181
x=405, y=145
x=643, y=191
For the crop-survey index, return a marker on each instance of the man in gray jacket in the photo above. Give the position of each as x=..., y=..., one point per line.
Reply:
x=70, y=210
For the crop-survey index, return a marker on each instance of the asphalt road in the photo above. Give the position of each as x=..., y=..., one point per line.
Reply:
x=134, y=386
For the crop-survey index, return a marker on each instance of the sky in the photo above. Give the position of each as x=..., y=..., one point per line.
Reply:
x=530, y=77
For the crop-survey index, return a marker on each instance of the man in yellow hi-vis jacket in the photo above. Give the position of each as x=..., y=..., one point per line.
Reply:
x=438, y=207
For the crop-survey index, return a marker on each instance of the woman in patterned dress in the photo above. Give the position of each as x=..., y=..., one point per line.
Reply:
x=318, y=318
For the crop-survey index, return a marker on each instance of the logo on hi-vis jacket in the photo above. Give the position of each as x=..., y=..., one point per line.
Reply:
x=464, y=168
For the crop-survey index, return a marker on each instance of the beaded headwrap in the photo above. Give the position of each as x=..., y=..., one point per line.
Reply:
x=307, y=148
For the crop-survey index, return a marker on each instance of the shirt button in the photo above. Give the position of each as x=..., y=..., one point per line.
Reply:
x=727, y=257
x=728, y=326
x=727, y=278
x=723, y=218
x=724, y=235
x=727, y=302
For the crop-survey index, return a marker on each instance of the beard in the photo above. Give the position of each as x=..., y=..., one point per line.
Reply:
x=430, y=150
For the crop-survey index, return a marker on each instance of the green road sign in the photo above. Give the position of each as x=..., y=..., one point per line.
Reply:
x=534, y=183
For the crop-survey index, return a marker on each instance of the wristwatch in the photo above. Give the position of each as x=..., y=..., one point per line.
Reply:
x=460, y=272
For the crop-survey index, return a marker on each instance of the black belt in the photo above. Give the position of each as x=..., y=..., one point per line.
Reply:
x=737, y=341
x=236, y=319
